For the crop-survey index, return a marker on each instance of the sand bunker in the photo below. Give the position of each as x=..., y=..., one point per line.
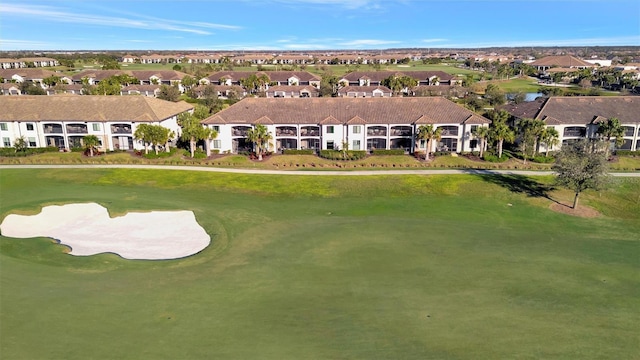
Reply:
x=88, y=230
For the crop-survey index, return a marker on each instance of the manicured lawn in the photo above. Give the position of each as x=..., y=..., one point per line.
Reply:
x=378, y=267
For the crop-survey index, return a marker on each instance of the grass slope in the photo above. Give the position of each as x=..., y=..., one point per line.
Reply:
x=380, y=267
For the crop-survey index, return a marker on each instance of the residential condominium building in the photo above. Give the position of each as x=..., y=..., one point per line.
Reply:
x=62, y=121
x=332, y=123
x=576, y=117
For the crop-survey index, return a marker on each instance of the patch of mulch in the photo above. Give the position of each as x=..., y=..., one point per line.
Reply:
x=580, y=211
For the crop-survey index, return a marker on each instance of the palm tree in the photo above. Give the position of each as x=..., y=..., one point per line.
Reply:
x=530, y=131
x=260, y=137
x=144, y=134
x=501, y=132
x=482, y=133
x=90, y=142
x=609, y=129
x=550, y=137
x=428, y=133
x=192, y=130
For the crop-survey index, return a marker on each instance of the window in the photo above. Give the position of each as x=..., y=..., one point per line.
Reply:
x=4, y=127
x=217, y=144
x=6, y=141
x=474, y=128
x=330, y=130
x=216, y=128
x=357, y=129
x=356, y=145
x=29, y=126
x=330, y=144
x=96, y=126
x=32, y=141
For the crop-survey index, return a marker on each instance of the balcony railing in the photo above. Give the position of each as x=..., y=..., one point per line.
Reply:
x=376, y=132
x=286, y=132
x=629, y=131
x=53, y=129
x=449, y=133
x=239, y=133
x=309, y=132
x=395, y=132
x=574, y=133
x=76, y=129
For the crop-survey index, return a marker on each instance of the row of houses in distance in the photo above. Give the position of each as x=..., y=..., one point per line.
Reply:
x=318, y=123
x=11, y=63
x=275, y=83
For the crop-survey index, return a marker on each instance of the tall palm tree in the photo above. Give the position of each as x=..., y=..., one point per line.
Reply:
x=428, y=133
x=550, y=138
x=482, y=133
x=501, y=132
x=260, y=137
x=90, y=142
x=611, y=128
x=530, y=131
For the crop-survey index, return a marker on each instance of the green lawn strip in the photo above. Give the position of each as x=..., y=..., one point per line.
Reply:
x=326, y=267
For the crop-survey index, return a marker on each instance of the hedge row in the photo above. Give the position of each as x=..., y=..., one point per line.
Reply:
x=11, y=152
x=388, y=152
x=298, y=152
x=342, y=155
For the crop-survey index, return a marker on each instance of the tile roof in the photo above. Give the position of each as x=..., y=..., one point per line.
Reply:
x=561, y=61
x=28, y=73
x=88, y=108
x=378, y=76
x=279, y=76
x=383, y=110
x=138, y=74
x=585, y=109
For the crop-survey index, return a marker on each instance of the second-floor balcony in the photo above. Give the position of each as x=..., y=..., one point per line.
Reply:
x=286, y=131
x=377, y=131
x=574, y=131
x=52, y=129
x=449, y=130
x=629, y=131
x=76, y=128
x=240, y=131
x=121, y=129
x=401, y=131
x=310, y=131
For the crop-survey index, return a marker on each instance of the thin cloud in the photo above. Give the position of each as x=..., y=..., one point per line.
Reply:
x=45, y=12
x=15, y=44
x=429, y=41
x=612, y=41
x=368, y=42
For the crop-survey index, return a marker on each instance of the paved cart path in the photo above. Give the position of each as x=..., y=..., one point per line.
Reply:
x=306, y=172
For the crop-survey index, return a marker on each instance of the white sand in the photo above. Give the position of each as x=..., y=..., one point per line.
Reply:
x=88, y=230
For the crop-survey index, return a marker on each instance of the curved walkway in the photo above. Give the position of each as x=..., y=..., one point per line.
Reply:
x=306, y=172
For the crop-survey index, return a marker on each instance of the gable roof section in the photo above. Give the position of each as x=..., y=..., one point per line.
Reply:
x=88, y=108
x=264, y=120
x=567, y=61
x=381, y=110
x=356, y=120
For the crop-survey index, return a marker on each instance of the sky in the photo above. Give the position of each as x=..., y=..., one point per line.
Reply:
x=281, y=25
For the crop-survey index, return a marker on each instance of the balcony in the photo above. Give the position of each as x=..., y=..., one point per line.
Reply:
x=574, y=132
x=449, y=130
x=401, y=131
x=286, y=131
x=240, y=131
x=629, y=131
x=76, y=129
x=377, y=131
x=121, y=129
x=52, y=129
x=310, y=131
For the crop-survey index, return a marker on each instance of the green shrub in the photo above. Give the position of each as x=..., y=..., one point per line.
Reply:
x=160, y=155
x=627, y=153
x=388, y=152
x=543, y=159
x=494, y=158
x=342, y=155
x=298, y=152
x=198, y=154
x=11, y=152
x=441, y=153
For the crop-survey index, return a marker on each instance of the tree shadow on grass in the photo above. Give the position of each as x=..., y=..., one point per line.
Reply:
x=520, y=184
